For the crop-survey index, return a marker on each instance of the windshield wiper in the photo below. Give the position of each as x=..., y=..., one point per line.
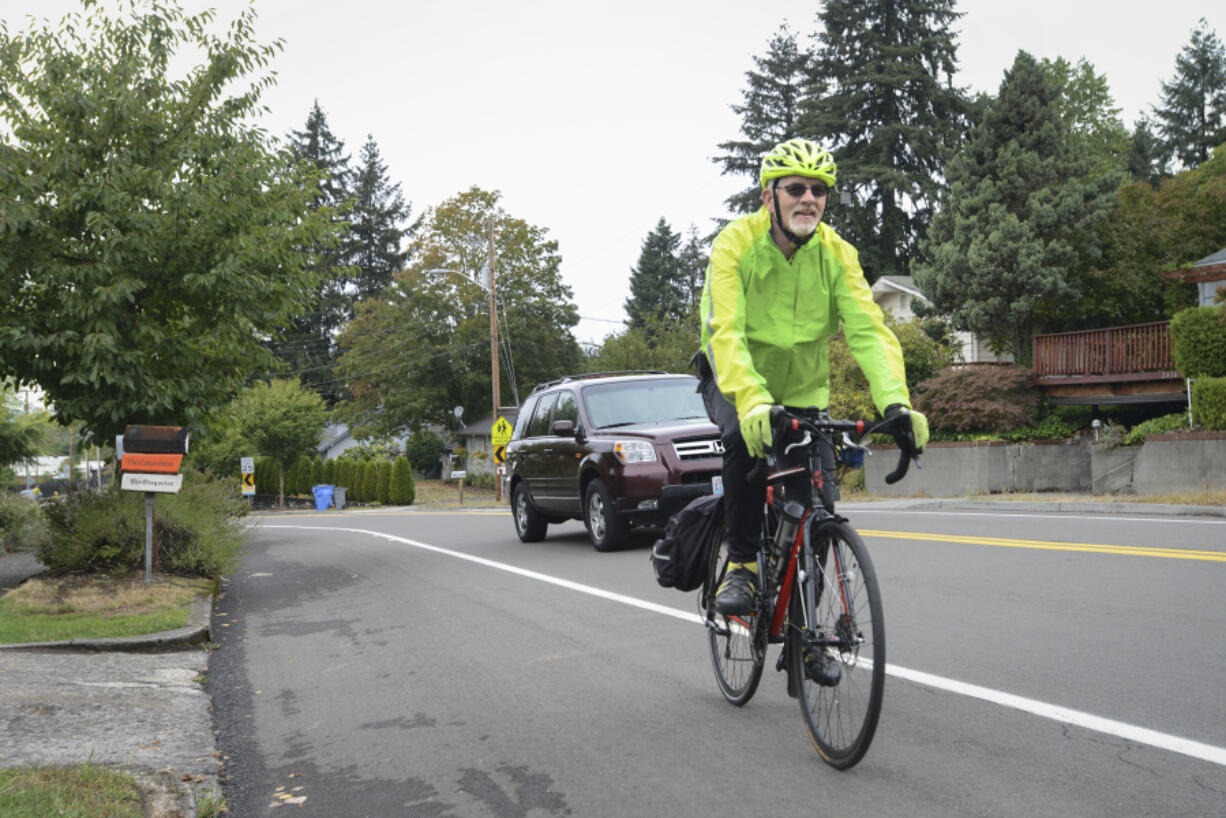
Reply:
x=615, y=425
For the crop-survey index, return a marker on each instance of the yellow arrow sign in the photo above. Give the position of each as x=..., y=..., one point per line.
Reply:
x=500, y=454
x=248, y=484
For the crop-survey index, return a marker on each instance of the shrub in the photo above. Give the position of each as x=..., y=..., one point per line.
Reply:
x=22, y=524
x=383, y=490
x=1051, y=427
x=370, y=481
x=329, y=472
x=198, y=531
x=401, y=488
x=1198, y=342
x=424, y=449
x=1155, y=426
x=1209, y=402
x=979, y=399
x=317, y=472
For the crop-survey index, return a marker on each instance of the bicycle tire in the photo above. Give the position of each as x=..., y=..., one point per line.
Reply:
x=738, y=651
x=841, y=718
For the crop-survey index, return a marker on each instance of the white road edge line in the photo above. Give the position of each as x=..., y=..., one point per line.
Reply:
x=1064, y=715
x=851, y=510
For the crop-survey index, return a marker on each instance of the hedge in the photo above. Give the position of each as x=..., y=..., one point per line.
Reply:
x=1209, y=402
x=1198, y=342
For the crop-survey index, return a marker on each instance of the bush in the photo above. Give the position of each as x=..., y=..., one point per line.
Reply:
x=424, y=449
x=979, y=399
x=1155, y=426
x=383, y=486
x=197, y=531
x=1209, y=402
x=1051, y=427
x=1198, y=342
x=401, y=488
x=330, y=472
x=22, y=524
x=370, y=481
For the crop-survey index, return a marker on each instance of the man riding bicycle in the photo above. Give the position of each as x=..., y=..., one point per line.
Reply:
x=779, y=284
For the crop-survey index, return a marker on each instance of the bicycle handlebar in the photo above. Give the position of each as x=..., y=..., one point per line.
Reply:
x=892, y=426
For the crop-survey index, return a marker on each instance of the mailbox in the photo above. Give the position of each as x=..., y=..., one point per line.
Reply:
x=155, y=439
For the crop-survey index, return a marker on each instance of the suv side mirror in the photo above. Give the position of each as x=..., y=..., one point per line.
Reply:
x=562, y=428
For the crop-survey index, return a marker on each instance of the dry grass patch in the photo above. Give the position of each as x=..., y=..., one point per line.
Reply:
x=438, y=493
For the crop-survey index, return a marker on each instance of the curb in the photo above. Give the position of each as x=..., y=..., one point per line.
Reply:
x=1153, y=509
x=165, y=795
x=198, y=630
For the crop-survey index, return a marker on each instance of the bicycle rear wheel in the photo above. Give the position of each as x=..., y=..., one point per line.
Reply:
x=837, y=657
x=736, y=656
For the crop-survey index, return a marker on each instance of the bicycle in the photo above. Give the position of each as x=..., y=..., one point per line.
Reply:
x=818, y=593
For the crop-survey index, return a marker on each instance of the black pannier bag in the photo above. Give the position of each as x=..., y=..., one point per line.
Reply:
x=680, y=558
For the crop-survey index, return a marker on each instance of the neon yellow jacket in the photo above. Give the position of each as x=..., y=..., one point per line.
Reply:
x=766, y=320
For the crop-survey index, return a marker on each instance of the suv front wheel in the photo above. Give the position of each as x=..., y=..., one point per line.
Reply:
x=529, y=524
x=606, y=529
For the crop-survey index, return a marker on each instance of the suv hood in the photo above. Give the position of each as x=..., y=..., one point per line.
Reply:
x=661, y=431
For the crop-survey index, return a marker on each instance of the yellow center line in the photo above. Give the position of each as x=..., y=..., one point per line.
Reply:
x=1093, y=548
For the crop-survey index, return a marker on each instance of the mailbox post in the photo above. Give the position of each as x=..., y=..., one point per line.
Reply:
x=152, y=457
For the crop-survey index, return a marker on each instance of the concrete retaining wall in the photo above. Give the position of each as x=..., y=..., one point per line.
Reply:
x=1164, y=464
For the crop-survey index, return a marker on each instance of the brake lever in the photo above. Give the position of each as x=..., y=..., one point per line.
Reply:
x=805, y=441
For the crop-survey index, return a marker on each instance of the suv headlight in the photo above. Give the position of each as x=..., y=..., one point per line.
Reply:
x=634, y=451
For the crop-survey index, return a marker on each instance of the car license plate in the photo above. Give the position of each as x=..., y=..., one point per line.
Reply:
x=717, y=485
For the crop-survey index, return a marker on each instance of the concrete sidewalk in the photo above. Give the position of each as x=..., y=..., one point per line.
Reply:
x=134, y=704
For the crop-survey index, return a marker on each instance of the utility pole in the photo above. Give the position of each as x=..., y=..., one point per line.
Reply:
x=494, y=356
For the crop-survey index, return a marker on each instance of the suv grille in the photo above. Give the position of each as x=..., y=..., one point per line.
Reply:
x=698, y=449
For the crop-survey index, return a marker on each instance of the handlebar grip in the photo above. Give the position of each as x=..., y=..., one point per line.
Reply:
x=904, y=463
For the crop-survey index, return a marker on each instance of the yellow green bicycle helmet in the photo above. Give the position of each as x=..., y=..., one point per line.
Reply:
x=798, y=157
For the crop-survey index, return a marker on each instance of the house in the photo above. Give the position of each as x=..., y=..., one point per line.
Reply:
x=1208, y=274
x=475, y=439
x=894, y=295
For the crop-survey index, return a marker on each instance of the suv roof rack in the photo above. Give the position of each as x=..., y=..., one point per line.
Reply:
x=587, y=375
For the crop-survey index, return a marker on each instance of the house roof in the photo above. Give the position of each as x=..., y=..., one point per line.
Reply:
x=1209, y=268
x=903, y=284
x=483, y=427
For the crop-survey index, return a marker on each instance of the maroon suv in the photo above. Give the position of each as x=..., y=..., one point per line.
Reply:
x=612, y=449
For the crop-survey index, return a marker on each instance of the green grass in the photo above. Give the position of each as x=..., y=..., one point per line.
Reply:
x=79, y=791
x=57, y=609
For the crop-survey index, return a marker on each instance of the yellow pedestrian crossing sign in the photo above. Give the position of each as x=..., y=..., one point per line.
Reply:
x=500, y=436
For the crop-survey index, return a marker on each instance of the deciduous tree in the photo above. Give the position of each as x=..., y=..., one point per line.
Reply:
x=149, y=231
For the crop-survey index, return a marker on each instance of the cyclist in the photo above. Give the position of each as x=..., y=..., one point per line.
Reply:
x=779, y=284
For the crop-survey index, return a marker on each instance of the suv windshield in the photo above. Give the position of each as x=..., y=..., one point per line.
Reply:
x=655, y=401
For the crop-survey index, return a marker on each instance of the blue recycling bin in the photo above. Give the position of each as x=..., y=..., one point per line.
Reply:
x=323, y=497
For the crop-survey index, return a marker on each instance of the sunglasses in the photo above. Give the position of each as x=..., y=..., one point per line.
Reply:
x=796, y=189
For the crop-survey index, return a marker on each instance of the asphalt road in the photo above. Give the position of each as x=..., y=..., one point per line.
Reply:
x=429, y=664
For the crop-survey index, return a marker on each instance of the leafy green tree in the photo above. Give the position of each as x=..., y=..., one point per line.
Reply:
x=383, y=486
x=770, y=110
x=891, y=115
x=1019, y=225
x=149, y=228
x=282, y=420
x=424, y=347
x=1151, y=230
x=666, y=345
x=20, y=434
x=655, y=287
x=1192, y=118
x=401, y=488
x=1091, y=116
x=377, y=232
x=423, y=449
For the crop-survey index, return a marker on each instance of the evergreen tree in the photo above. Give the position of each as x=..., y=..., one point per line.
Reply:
x=1147, y=161
x=370, y=481
x=655, y=287
x=1020, y=222
x=770, y=111
x=377, y=234
x=891, y=116
x=1192, y=119
x=692, y=269
x=401, y=488
x=383, y=485
x=307, y=347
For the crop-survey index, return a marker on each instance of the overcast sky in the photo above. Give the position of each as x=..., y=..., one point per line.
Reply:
x=594, y=120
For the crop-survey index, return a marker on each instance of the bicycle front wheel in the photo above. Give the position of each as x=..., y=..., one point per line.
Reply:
x=837, y=654
x=736, y=655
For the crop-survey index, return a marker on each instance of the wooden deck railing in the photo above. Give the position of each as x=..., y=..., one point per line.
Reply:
x=1130, y=350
